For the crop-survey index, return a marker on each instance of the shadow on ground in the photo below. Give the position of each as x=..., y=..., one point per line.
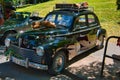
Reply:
x=93, y=71
x=16, y=72
x=13, y=71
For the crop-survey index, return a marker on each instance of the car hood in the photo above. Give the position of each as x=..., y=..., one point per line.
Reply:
x=42, y=36
x=11, y=24
x=47, y=31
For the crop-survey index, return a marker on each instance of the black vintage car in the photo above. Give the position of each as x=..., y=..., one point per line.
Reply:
x=66, y=32
x=17, y=23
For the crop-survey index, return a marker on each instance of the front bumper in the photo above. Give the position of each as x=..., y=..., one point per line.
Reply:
x=26, y=63
x=26, y=57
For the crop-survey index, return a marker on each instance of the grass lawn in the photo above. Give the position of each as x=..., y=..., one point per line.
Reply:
x=105, y=9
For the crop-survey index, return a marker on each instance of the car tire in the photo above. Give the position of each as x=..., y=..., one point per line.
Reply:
x=58, y=64
x=100, y=42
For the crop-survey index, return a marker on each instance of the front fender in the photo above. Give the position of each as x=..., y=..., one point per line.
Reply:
x=52, y=48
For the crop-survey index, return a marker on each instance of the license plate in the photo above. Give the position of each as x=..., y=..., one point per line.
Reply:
x=19, y=62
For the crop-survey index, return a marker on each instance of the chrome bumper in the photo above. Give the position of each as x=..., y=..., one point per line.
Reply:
x=27, y=64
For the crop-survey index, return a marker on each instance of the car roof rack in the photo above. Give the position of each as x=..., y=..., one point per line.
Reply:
x=75, y=7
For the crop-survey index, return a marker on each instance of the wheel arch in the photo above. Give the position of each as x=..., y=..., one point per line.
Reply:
x=65, y=50
x=6, y=33
x=51, y=52
x=9, y=31
x=61, y=52
x=101, y=32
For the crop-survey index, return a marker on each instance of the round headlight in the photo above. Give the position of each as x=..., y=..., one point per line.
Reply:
x=21, y=31
x=40, y=51
x=7, y=42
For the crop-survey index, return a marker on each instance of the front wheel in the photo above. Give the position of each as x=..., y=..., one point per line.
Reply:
x=58, y=65
x=100, y=42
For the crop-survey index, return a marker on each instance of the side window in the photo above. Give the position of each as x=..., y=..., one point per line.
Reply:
x=59, y=17
x=81, y=22
x=51, y=18
x=91, y=19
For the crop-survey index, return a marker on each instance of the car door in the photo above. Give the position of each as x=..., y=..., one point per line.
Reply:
x=93, y=26
x=85, y=30
x=80, y=31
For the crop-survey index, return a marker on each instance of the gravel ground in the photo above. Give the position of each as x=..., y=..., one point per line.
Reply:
x=88, y=68
x=92, y=71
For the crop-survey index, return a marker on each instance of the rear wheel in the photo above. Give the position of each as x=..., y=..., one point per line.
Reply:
x=58, y=64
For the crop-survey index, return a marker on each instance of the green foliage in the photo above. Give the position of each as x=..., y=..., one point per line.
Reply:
x=105, y=9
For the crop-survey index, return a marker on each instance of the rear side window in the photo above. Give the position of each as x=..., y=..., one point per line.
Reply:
x=91, y=19
x=82, y=21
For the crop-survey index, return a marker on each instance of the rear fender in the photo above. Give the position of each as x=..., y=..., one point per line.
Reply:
x=101, y=32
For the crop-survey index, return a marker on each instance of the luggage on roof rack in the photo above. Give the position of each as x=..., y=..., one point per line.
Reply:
x=79, y=6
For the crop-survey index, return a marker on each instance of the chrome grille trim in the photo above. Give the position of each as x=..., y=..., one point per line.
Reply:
x=20, y=41
x=27, y=53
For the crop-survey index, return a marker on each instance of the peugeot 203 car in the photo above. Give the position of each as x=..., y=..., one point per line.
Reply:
x=65, y=32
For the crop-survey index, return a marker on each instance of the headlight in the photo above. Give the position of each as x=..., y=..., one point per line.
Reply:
x=21, y=31
x=7, y=42
x=40, y=51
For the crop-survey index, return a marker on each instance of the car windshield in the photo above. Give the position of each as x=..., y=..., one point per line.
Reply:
x=60, y=19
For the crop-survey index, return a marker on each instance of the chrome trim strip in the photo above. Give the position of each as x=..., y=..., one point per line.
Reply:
x=93, y=24
x=38, y=66
x=27, y=64
x=61, y=35
x=83, y=27
x=22, y=48
x=20, y=41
